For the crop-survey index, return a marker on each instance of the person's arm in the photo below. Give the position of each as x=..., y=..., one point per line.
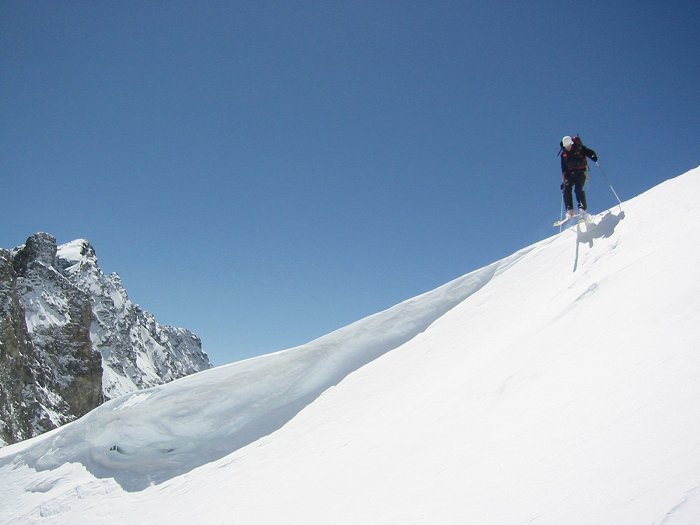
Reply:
x=588, y=152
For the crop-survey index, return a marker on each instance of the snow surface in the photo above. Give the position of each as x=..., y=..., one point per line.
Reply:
x=73, y=251
x=559, y=386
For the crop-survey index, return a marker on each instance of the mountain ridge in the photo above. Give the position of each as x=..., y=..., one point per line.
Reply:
x=71, y=338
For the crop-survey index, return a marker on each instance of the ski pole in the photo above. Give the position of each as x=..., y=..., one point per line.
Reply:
x=561, y=213
x=610, y=185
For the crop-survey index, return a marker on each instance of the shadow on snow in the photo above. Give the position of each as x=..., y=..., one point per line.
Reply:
x=603, y=229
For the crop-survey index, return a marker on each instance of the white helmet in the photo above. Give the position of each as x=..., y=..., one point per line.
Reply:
x=567, y=142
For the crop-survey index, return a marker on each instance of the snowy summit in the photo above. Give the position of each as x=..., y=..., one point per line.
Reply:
x=556, y=386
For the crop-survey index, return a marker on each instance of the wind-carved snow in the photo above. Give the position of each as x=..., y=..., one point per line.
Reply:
x=124, y=438
x=559, y=385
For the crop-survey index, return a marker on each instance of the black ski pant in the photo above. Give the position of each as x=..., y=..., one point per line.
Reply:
x=574, y=181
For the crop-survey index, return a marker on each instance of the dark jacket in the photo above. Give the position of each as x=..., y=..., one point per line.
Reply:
x=575, y=161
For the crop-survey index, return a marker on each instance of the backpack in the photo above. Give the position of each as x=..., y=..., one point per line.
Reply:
x=575, y=159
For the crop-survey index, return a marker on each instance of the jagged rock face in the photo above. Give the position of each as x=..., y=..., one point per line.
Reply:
x=70, y=338
x=15, y=358
x=51, y=373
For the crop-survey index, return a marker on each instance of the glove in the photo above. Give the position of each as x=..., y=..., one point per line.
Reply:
x=594, y=158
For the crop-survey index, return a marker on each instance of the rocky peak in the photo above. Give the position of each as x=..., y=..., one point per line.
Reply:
x=70, y=338
x=39, y=248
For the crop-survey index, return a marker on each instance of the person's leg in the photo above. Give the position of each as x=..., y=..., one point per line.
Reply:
x=580, y=193
x=566, y=191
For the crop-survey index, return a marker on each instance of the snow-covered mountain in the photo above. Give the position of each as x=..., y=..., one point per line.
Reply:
x=70, y=338
x=557, y=386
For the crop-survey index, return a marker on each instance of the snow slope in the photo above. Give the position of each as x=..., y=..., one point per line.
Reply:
x=558, y=385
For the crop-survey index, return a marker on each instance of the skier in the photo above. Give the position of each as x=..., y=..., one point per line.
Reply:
x=574, y=170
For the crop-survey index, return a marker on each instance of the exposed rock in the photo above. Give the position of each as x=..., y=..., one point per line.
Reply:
x=70, y=338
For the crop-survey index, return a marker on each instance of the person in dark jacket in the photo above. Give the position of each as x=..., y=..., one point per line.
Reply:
x=574, y=170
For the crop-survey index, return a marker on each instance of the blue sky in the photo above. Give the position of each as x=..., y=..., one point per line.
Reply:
x=263, y=173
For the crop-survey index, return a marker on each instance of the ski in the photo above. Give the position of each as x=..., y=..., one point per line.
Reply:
x=583, y=220
x=556, y=224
